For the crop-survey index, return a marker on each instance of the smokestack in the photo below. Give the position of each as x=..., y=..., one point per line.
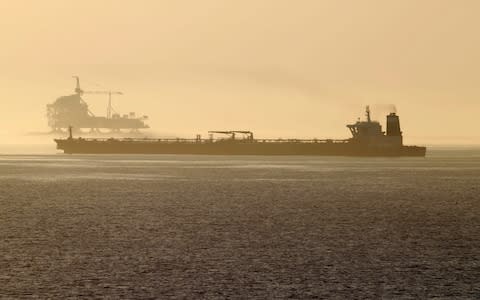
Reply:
x=393, y=125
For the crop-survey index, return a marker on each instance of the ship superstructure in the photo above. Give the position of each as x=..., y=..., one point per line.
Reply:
x=73, y=111
x=370, y=132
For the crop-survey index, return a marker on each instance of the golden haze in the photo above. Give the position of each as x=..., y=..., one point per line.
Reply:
x=280, y=68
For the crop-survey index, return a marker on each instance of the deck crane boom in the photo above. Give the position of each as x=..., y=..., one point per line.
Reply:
x=248, y=133
x=232, y=133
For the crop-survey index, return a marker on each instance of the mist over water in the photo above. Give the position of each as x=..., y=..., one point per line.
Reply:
x=304, y=71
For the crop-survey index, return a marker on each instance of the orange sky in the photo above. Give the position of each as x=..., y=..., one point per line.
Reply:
x=280, y=68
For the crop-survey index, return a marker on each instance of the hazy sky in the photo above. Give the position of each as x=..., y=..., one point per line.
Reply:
x=280, y=68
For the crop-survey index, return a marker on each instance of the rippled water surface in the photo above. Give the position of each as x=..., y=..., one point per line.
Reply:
x=194, y=227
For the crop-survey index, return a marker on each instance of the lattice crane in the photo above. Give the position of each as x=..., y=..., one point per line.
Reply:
x=110, y=109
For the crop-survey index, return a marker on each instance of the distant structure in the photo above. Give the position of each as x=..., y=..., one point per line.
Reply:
x=73, y=111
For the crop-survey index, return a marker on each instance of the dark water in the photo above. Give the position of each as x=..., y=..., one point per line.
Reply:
x=245, y=227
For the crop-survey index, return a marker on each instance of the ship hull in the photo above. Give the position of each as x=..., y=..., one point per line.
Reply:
x=112, y=146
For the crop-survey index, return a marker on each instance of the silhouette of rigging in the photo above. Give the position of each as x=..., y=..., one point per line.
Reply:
x=73, y=111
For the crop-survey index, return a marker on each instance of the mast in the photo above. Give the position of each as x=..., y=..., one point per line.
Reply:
x=367, y=114
x=109, y=107
x=78, y=90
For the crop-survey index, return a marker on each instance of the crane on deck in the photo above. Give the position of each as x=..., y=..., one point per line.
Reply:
x=232, y=133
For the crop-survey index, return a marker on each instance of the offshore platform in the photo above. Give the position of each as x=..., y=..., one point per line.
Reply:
x=73, y=111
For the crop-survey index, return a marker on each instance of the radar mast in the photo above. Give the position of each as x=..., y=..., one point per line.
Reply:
x=367, y=113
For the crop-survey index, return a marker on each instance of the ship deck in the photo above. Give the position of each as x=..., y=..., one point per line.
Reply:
x=209, y=141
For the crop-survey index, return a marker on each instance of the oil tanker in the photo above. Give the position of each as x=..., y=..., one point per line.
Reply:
x=367, y=139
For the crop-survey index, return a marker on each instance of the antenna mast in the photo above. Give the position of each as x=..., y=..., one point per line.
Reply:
x=109, y=107
x=78, y=90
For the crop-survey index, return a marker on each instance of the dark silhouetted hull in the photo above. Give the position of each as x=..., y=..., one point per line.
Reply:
x=346, y=148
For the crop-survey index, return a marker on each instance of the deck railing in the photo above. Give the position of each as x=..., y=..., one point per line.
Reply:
x=209, y=141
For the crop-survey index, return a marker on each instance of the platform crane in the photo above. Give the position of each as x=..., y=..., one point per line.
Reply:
x=110, y=109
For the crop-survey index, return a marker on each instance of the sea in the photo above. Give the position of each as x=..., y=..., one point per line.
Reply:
x=246, y=227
